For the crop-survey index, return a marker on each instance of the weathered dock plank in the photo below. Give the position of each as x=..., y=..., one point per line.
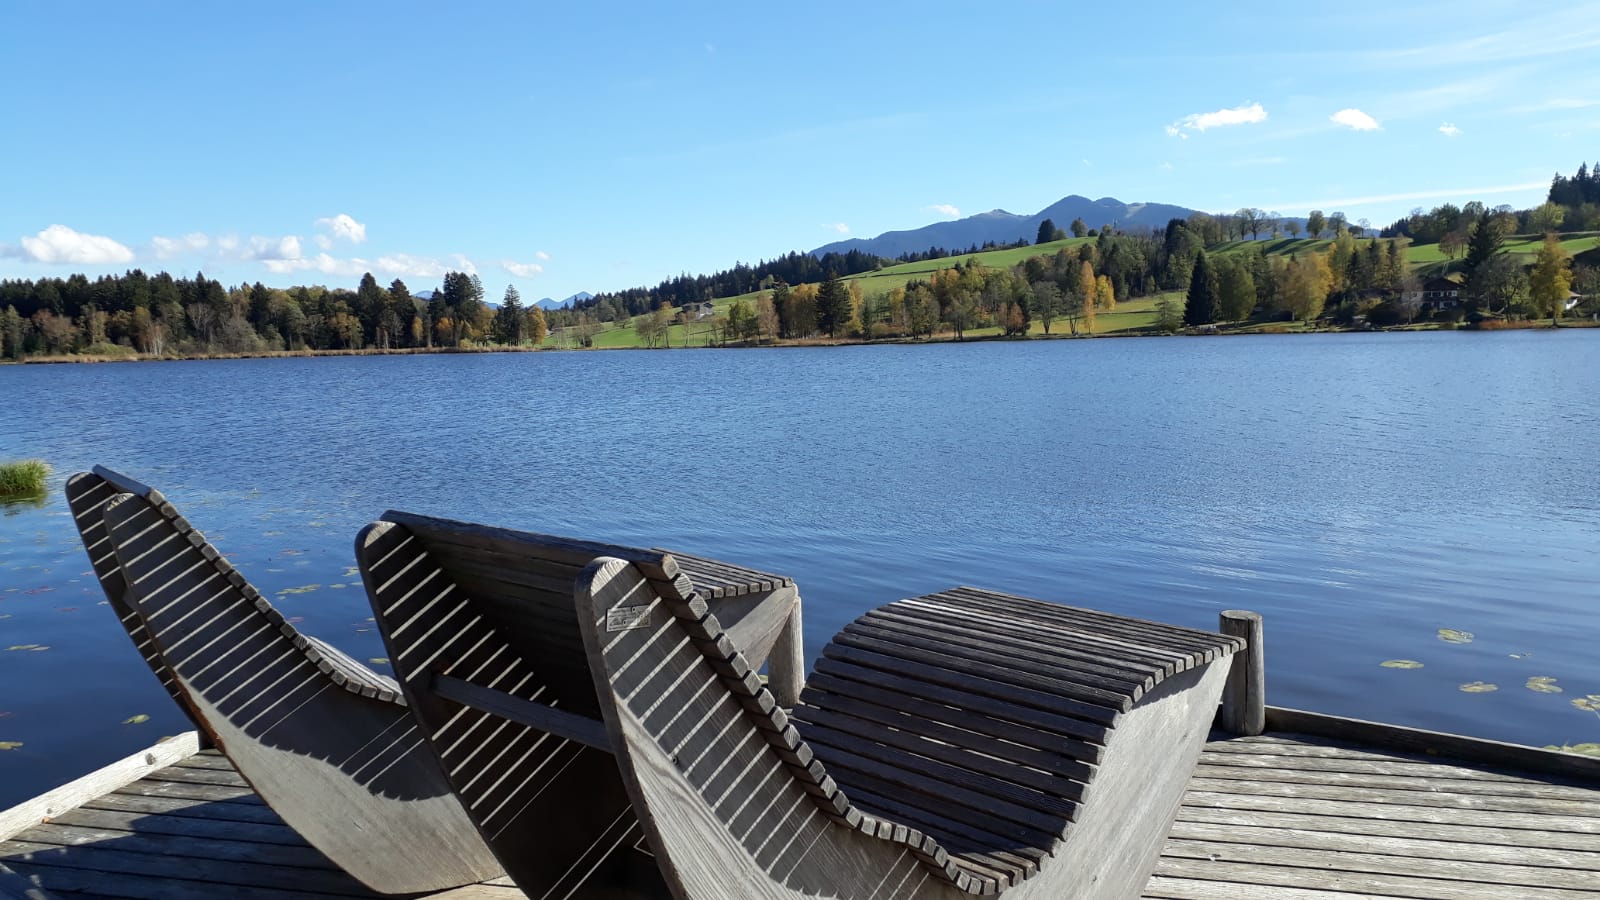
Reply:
x=1317, y=818
x=1275, y=817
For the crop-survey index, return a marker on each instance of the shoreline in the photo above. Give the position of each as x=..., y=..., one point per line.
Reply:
x=1269, y=329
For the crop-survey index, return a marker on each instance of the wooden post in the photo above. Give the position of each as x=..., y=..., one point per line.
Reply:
x=786, y=666
x=1244, y=698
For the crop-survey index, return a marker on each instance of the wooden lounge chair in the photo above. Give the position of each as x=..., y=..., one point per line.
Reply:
x=481, y=632
x=87, y=495
x=961, y=743
x=326, y=742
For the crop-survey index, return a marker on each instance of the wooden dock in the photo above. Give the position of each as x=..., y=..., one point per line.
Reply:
x=1282, y=816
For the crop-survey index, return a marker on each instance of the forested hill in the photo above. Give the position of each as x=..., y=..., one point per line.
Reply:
x=1002, y=227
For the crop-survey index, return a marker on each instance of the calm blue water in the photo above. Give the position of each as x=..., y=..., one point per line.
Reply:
x=1361, y=491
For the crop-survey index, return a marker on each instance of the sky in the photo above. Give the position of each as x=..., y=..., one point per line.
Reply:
x=569, y=147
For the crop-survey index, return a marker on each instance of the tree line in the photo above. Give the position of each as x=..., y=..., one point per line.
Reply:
x=161, y=315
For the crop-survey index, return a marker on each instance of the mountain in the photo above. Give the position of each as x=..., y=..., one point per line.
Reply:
x=1004, y=227
x=547, y=303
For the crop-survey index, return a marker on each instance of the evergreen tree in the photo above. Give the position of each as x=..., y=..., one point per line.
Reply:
x=833, y=306
x=1202, y=304
x=1047, y=232
x=1485, y=241
x=510, y=321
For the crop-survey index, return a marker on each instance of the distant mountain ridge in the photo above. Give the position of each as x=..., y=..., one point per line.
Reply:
x=548, y=303
x=1005, y=227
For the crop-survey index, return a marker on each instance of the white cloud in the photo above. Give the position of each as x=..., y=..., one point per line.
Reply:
x=322, y=262
x=228, y=242
x=60, y=244
x=521, y=270
x=840, y=227
x=1165, y=167
x=943, y=209
x=167, y=248
x=343, y=228
x=1248, y=114
x=1356, y=119
x=542, y=256
x=263, y=248
x=1449, y=130
x=396, y=264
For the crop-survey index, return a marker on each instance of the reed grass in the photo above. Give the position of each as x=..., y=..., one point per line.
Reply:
x=25, y=478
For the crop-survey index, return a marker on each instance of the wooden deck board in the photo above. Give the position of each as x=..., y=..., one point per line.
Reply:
x=1276, y=817
x=1307, y=818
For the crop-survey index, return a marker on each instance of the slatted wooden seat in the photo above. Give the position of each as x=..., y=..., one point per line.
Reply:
x=961, y=743
x=481, y=631
x=326, y=742
x=87, y=495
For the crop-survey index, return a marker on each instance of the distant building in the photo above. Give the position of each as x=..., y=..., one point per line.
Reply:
x=1436, y=294
x=698, y=310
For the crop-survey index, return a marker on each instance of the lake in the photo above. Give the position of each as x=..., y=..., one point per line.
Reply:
x=1361, y=491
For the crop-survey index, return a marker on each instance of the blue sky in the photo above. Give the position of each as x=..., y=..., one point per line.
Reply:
x=599, y=146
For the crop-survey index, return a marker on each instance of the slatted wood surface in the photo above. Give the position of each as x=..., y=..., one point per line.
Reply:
x=978, y=718
x=1302, y=818
x=1406, y=826
x=191, y=830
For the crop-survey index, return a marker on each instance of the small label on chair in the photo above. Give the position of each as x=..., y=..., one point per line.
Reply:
x=622, y=618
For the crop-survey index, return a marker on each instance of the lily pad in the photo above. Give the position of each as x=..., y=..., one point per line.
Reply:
x=351, y=571
x=379, y=660
x=1400, y=664
x=34, y=647
x=1452, y=636
x=1543, y=684
x=140, y=719
x=10, y=745
x=1479, y=687
x=303, y=589
x=1590, y=703
x=1588, y=749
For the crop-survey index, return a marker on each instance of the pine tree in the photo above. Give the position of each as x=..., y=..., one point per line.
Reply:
x=1485, y=241
x=509, y=321
x=1202, y=305
x=833, y=306
x=1047, y=232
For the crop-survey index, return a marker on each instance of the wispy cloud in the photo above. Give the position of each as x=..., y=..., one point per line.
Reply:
x=1544, y=36
x=1356, y=119
x=400, y=265
x=1248, y=114
x=60, y=244
x=1468, y=192
x=1555, y=104
x=167, y=248
x=542, y=256
x=943, y=209
x=521, y=270
x=1449, y=130
x=840, y=227
x=1165, y=167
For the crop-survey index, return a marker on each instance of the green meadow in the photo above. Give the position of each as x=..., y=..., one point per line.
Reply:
x=1134, y=316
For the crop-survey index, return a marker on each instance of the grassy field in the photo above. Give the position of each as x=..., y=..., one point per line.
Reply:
x=885, y=280
x=1130, y=317
x=1429, y=253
